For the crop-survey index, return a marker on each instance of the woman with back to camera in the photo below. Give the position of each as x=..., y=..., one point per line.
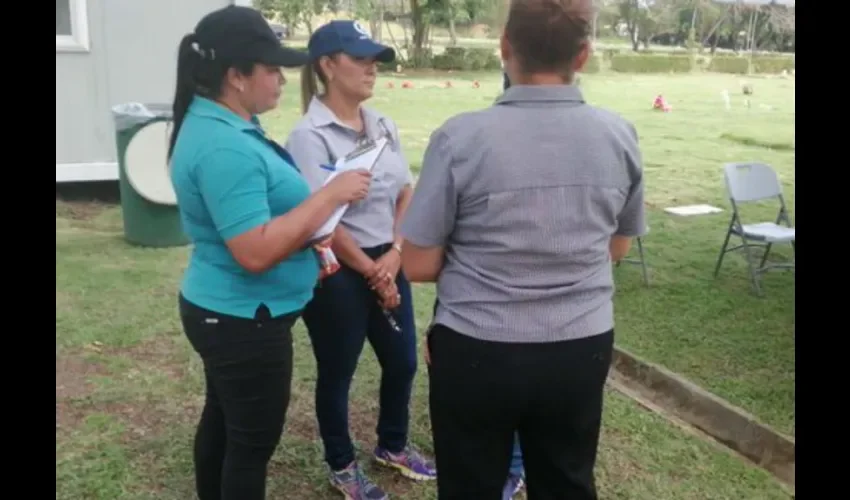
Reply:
x=345, y=310
x=519, y=236
x=250, y=216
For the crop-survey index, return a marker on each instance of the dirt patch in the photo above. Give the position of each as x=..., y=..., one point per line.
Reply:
x=140, y=419
x=65, y=301
x=362, y=420
x=301, y=417
x=755, y=142
x=75, y=391
x=159, y=353
x=73, y=371
x=153, y=418
x=79, y=210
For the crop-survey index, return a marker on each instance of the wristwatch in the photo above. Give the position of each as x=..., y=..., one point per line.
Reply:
x=397, y=247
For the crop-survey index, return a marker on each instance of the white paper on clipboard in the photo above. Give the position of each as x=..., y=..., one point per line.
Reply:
x=359, y=159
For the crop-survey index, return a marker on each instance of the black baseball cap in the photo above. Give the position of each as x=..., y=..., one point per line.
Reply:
x=236, y=33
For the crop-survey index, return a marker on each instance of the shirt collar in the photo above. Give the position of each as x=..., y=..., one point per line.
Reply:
x=541, y=93
x=207, y=108
x=320, y=115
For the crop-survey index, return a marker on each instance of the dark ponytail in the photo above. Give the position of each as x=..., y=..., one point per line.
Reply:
x=187, y=60
x=311, y=76
x=199, y=72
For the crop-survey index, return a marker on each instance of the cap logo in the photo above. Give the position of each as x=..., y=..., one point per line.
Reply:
x=360, y=29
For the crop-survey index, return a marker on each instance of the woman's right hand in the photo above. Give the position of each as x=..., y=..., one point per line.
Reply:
x=350, y=186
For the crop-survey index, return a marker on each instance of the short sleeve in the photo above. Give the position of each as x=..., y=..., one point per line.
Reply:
x=632, y=218
x=234, y=186
x=430, y=217
x=309, y=152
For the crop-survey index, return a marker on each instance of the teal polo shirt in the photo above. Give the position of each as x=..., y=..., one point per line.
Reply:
x=229, y=179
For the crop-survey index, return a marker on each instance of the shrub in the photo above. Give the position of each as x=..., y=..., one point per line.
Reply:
x=651, y=63
x=773, y=64
x=729, y=64
x=424, y=61
x=466, y=59
x=607, y=54
x=382, y=66
x=593, y=64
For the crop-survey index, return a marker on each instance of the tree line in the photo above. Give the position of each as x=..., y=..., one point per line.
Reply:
x=753, y=25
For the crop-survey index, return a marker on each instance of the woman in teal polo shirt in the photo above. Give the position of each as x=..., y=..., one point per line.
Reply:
x=250, y=216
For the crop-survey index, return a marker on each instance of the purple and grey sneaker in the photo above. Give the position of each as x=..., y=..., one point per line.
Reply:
x=512, y=486
x=354, y=484
x=410, y=463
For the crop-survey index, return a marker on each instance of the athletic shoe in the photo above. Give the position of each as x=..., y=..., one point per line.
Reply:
x=410, y=463
x=512, y=486
x=354, y=484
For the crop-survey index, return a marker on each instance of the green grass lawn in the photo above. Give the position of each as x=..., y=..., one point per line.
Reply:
x=715, y=332
x=129, y=387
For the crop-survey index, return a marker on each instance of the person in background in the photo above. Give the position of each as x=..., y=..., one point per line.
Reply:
x=516, y=472
x=249, y=215
x=519, y=237
x=345, y=310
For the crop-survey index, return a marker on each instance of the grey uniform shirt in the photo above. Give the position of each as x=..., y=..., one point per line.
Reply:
x=525, y=196
x=319, y=138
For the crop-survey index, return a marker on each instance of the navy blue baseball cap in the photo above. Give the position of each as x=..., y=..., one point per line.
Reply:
x=347, y=37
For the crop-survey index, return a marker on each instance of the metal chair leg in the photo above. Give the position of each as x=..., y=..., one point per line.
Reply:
x=754, y=272
x=722, y=253
x=766, y=253
x=643, y=261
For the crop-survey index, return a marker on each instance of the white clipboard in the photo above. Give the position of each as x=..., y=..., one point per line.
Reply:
x=363, y=158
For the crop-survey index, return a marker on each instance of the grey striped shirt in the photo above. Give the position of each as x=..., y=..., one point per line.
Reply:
x=525, y=196
x=320, y=138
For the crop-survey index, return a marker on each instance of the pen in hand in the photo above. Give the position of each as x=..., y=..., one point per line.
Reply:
x=391, y=319
x=388, y=314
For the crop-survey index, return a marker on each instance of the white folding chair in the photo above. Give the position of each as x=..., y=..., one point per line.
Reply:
x=751, y=182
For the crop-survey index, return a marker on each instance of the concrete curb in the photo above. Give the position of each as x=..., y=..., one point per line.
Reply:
x=731, y=426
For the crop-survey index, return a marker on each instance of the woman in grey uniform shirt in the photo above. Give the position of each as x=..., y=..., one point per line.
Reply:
x=519, y=236
x=345, y=310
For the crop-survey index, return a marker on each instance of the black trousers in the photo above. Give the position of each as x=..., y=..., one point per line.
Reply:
x=482, y=392
x=248, y=370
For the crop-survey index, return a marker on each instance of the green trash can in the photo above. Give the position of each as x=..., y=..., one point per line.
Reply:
x=148, y=201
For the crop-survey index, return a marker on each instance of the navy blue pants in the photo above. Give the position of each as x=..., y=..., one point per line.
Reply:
x=341, y=316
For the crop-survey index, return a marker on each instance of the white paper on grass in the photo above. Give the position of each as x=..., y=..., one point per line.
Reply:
x=364, y=161
x=689, y=210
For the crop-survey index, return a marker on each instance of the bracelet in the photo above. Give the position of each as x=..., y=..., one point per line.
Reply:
x=397, y=248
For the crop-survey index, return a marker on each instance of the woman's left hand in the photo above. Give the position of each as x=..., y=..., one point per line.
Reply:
x=385, y=270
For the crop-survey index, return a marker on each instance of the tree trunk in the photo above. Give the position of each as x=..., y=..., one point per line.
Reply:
x=380, y=27
x=417, y=16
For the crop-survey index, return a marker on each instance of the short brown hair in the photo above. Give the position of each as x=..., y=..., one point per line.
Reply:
x=547, y=35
